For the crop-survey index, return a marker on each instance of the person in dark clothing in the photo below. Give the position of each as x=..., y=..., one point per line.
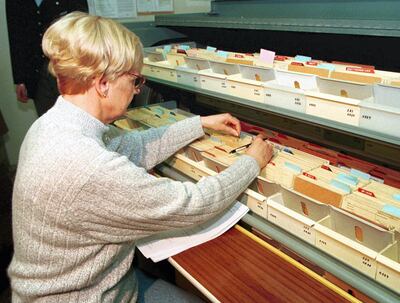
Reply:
x=27, y=21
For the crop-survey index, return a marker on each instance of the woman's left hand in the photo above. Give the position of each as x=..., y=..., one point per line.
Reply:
x=222, y=122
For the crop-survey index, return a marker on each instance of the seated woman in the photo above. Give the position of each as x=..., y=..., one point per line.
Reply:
x=82, y=198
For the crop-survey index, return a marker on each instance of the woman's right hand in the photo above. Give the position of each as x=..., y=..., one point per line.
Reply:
x=260, y=150
x=22, y=93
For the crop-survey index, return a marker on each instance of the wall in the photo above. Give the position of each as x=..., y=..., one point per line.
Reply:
x=20, y=116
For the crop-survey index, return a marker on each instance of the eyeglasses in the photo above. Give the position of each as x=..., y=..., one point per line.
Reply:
x=138, y=81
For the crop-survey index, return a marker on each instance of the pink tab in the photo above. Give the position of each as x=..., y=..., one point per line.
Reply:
x=267, y=56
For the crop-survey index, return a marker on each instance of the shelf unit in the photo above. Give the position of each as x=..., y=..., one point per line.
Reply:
x=359, y=22
x=373, y=146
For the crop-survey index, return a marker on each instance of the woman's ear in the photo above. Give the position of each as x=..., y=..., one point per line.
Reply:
x=102, y=85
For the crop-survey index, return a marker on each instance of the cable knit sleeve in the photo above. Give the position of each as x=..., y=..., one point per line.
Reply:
x=149, y=148
x=122, y=202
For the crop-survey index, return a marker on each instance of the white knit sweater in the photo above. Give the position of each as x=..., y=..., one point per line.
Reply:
x=81, y=200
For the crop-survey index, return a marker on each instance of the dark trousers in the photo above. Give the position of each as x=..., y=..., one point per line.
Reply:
x=47, y=91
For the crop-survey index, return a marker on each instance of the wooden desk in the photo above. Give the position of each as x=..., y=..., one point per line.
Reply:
x=239, y=267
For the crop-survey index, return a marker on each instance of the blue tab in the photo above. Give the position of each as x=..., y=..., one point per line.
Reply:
x=293, y=167
x=184, y=47
x=391, y=210
x=396, y=197
x=339, y=185
x=223, y=54
x=348, y=179
x=158, y=111
x=211, y=49
x=327, y=66
x=301, y=58
x=215, y=139
x=288, y=151
x=167, y=48
x=172, y=119
x=360, y=174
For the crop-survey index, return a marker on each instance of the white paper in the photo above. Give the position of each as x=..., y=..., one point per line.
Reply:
x=152, y=6
x=113, y=9
x=167, y=244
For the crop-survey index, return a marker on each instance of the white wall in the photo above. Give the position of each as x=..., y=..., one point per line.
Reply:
x=20, y=116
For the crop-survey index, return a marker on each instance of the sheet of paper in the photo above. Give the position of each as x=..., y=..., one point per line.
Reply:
x=113, y=9
x=167, y=244
x=153, y=6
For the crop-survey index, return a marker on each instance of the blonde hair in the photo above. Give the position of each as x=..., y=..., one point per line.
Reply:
x=81, y=47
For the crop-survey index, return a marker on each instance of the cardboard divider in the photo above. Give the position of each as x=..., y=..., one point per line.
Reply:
x=338, y=100
x=388, y=266
x=352, y=240
x=249, y=83
x=288, y=90
x=382, y=115
x=296, y=214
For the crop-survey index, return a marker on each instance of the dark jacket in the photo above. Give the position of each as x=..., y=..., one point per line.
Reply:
x=26, y=25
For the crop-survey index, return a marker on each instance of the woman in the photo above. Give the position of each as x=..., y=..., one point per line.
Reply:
x=82, y=198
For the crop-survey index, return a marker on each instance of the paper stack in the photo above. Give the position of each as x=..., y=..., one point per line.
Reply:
x=167, y=244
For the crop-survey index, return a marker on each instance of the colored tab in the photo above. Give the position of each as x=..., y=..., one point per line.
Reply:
x=301, y=58
x=360, y=174
x=326, y=167
x=391, y=210
x=341, y=186
x=327, y=66
x=396, y=197
x=167, y=48
x=184, y=47
x=293, y=167
x=281, y=58
x=223, y=54
x=312, y=63
x=310, y=176
x=267, y=56
x=297, y=63
x=348, y=179
x=172, y=120
x=366, y=192
x=211, y=49
x=367, y=70
x=215, y=139
x=158, y=111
